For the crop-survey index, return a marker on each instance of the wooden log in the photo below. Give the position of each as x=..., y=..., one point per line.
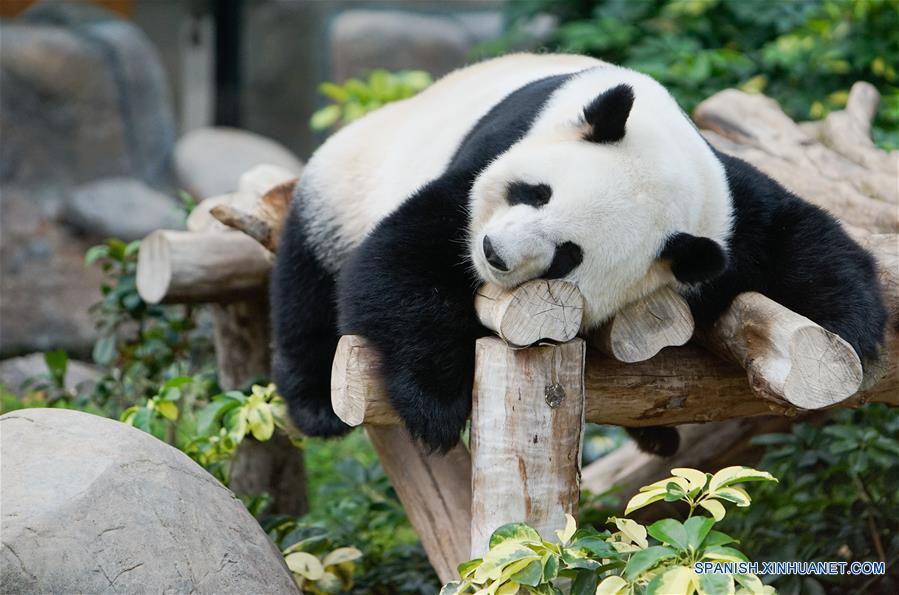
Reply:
x=185, y=267
x=435, y=491
x=534, y=311
x=356, y=385
x=787, y=357
x=527, y=415
x=754, y=128
x=642, y=329
x=242, y=336
x=679, y=385
x=264, y=221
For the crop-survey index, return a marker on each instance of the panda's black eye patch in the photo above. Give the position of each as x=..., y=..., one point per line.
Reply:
x=534, y=195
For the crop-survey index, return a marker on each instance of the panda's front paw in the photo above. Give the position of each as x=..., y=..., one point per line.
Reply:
x=433, y=417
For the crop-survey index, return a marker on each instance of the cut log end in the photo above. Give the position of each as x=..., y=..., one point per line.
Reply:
x=642, y=329
x=824, y=369
x=154, y=268
x=532, y=312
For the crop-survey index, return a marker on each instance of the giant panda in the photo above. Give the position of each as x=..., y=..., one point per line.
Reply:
x=523, y=167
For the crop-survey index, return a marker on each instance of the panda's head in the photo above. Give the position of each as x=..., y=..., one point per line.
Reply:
x=614, y=190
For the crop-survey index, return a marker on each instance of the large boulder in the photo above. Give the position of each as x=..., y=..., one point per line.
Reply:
x=17, y=372
x=84, y=96
x=210, y=161
x=92, y=505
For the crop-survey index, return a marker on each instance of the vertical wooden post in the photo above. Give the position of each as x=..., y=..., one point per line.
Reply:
x=434, y=490
x=526, y=426
x=241, y=334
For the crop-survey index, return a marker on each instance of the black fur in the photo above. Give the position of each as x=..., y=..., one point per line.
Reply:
x=799, y=256
x=607, y=114
x=694, y=259
x=535, y=195
x=566, y=258
x=408, y=288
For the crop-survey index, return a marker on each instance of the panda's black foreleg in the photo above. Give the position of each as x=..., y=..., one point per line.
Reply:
x=304, y=324
x=409, y=291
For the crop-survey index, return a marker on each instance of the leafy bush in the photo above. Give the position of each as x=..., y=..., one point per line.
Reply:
x=804, y=53
x=624, y=562
x=354, y=98
x=837, y=500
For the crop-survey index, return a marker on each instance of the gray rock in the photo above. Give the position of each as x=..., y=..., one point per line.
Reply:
x=45, y=289
x=84, y=96
x=91, y=505
x=210, y=161
x=16, y=371
x=362, y=40
x=123, y=208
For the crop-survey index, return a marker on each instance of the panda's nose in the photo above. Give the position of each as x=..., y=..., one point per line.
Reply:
x=492, y=257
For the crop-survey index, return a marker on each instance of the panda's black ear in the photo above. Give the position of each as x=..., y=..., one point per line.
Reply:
x=694, y=259
x=607, y=114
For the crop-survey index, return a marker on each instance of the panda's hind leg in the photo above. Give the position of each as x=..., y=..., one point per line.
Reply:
x=304, y=325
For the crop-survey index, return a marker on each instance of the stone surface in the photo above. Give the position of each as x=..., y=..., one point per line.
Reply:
x=123, y=208
x=16, y=371
x=210, y=161
x=91, y=505
x=45, y=289
x=84, y=96
x=362, y=40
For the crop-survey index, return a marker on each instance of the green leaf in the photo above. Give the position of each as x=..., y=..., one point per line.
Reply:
x=499, y=557
x=575, y=559
x=105, y=350
x=341, y=555
x=455, y=588
x=646, y=559
x=632, y=530
x=305, y=564
x=584, y=583
x=727, y=554
x=325, y=118
x=670, y=532
x=679, y=580
x=718, y=538
x=466, y=568
x=596, y=546
x=733, y=494
x=696, y=479
x=612, y=585
x=208, y=415
x=570, y=527
x=530, y=575
x=714, y=507
x=517, y=532
x=57, y=364
x=95, y=253
x=333, y=91
x=737, y=474
x=642, y=499
x=167, y=409
x=697, y=528
x=550, y=566
x=715, y=584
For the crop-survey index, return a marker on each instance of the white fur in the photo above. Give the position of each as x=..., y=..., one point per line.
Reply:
x=367, y=169
x=617, y=201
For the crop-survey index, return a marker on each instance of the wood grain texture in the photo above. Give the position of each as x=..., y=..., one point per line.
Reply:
x=534, y=311
x=679, y=385
x=435, y=491
x=526, y=424
x=642, y=329
x=187, y=267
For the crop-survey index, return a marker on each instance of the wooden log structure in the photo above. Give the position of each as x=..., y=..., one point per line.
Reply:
x=536, y=383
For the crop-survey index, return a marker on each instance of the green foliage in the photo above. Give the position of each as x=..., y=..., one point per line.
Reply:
x=837, y=500
x=656, y=560
x=355, y=98
x=324, y=572
x=141, y=345
x=804, y=53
